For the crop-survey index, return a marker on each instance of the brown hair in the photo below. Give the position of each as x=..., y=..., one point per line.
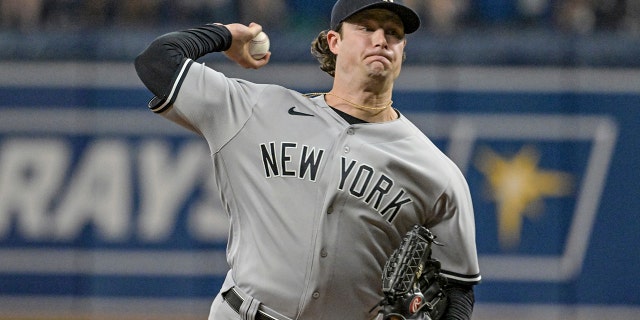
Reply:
x=321, y=51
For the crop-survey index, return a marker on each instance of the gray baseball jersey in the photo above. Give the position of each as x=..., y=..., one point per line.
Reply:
x=317, y=204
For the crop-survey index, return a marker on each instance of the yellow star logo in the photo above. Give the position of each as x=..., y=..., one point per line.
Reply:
x=518, y=187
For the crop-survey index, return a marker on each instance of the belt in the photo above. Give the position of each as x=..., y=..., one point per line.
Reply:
x=235, y=301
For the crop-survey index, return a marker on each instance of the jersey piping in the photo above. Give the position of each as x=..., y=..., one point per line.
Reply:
x=158, y=105
x=468, y=279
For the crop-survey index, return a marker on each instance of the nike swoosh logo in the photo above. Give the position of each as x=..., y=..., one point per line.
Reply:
x=292, y=111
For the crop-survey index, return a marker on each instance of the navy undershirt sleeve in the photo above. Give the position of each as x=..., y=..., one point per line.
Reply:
x=159, y=64
x=461, y=301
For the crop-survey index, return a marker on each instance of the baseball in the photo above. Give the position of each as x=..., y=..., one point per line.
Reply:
x=259, y=46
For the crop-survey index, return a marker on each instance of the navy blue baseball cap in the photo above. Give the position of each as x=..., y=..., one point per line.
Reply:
x=344, y=9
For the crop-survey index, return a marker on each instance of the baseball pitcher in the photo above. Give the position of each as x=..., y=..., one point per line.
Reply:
x=321, y=189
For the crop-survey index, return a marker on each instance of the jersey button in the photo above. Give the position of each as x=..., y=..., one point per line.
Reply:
x=347, y=149
x=316, y=295
x=324, y=253
x=351, y=131
x=330, y=210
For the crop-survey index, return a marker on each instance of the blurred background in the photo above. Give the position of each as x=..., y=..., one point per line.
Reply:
x=479, y=32
x=110, y=212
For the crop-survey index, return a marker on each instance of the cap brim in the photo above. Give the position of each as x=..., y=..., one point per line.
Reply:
x=410, y=18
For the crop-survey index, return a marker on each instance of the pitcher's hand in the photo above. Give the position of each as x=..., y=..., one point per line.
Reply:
x=239, y=50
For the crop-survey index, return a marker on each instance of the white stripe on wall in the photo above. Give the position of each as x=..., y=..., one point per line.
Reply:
x=309, y=76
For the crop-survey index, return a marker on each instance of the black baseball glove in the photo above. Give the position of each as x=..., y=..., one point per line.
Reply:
x=411, y=281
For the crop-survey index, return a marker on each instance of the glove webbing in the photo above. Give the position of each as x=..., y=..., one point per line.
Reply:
x=411, y=279
x=406, y=264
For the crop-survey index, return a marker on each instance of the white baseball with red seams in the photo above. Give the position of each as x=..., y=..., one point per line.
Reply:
x=259, y=46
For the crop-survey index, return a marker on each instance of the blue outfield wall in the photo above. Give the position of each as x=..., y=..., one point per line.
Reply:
x=101, y=200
